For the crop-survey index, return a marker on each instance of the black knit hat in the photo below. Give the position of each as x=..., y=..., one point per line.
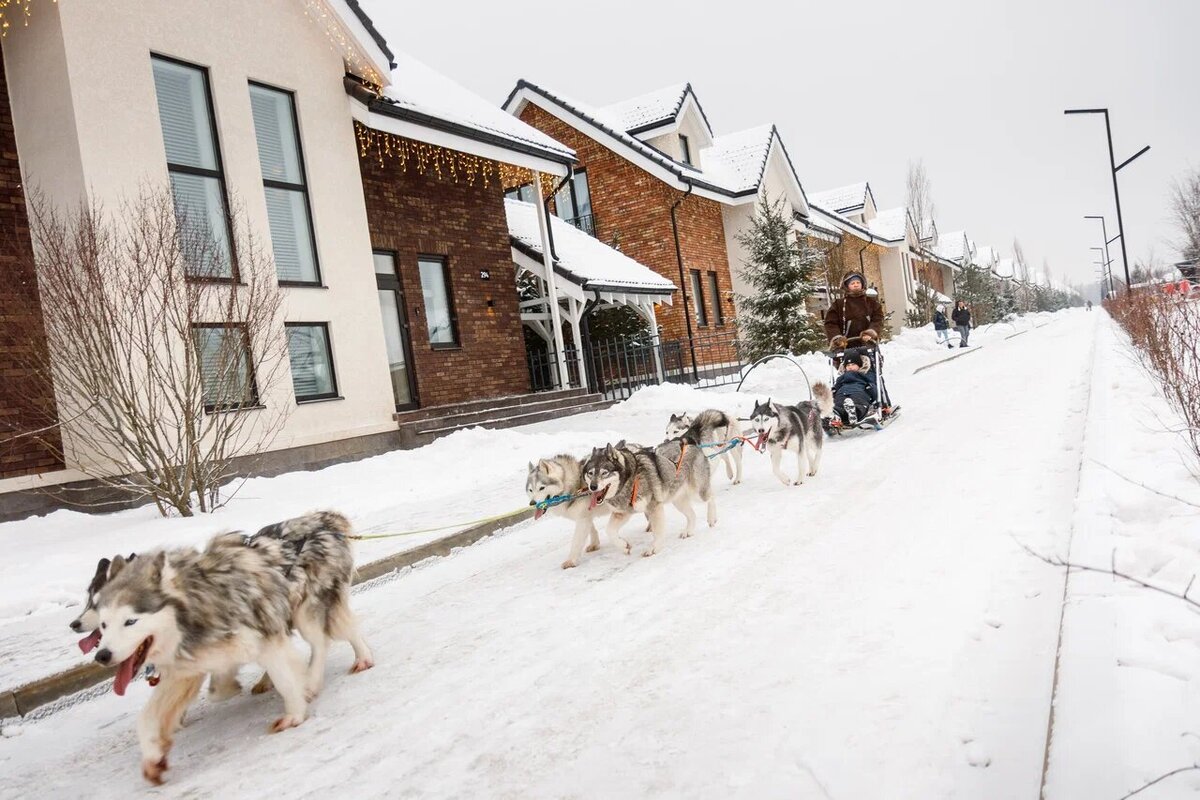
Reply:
x=852, y=357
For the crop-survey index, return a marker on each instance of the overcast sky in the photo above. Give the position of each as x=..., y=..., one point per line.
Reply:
x=975, y=89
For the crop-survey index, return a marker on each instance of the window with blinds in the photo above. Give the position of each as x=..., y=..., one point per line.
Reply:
x=312, y=361
x=698, y=309
x=282, y=163
x=226, y=375
x=194, y=165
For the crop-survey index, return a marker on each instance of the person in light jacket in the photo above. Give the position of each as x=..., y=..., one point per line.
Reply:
x=941, y=326
x=962, y=321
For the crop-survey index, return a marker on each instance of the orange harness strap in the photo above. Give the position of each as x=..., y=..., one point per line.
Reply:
x=679, y=463
x=633, y=497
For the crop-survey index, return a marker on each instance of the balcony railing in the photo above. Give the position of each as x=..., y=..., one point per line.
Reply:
x=585, y=223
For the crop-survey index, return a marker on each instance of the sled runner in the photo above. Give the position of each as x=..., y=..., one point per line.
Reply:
x=881, y=411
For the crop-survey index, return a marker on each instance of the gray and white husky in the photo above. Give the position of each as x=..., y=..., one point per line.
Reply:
x=630, y=480
x=193, y=613
x=797, y=428
x=711, y=426
x=562, y=475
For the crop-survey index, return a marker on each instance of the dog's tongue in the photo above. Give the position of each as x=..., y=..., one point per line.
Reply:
x=124, y=674
x=538, y=513
x=88, y=643
x=594, y=500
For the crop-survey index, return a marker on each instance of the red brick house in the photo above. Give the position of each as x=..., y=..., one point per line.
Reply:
x=653, y=179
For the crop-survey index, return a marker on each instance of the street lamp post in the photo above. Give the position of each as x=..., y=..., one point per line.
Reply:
x=1107, y=242
x=1115, y=167
x=1106, y=265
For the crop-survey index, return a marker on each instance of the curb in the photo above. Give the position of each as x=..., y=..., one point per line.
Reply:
x=966, y=352
x=21, y=701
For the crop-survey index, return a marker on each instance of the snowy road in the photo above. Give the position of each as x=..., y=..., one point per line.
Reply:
x=874, y=633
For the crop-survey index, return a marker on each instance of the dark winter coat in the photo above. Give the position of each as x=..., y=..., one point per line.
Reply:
x=940, y=323
x=860, y=311
x=962, y=317
x=855, y=385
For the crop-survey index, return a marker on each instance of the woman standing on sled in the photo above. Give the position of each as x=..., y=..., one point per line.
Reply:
x=854, y=314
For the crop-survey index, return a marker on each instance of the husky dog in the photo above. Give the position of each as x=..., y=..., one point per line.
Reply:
x=710, y=427
x=319, y=569
x=192, y=613
x=561, y=475
x=795, y=428
x=631, y=480
x=87, y=619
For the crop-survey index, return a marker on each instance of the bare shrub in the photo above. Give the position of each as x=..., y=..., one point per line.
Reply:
x=158, y=364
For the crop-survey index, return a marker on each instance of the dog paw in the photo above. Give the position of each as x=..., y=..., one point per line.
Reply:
x=285, y=722
x=648, y=552
x=362, y=665
x=685, y=535
x=569, y=564
x=153, y=770
x=591, y=548
x=812, y=474
x=628, y=548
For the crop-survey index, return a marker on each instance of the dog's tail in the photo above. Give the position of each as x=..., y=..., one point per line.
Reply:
x=823, y=398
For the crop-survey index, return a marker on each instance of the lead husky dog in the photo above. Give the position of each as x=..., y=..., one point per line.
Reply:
x=711, y=427
x=796, y=428
x=554, y=477
x=192, y=613
x=630, y=480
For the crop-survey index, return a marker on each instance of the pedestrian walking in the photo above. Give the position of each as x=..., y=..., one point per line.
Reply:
x=962, y=322
x=941, y=326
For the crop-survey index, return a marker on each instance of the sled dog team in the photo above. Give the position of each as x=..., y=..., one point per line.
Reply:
x=625, y=479
x=185, y=615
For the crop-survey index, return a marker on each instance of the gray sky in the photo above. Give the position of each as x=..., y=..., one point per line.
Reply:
x=974, y=88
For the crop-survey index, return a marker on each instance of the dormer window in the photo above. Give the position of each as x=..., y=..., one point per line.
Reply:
x=685, y=151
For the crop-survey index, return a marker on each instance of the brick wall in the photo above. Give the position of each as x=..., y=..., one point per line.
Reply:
x=932, y=276
x=633, y=209
x=411, y=215
x=25, y=403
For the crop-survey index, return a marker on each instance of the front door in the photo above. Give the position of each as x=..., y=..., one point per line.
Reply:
x=395, y=330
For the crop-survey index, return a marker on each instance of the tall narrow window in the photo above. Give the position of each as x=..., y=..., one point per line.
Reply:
x=439, y=309
x=698, y=309
x=715, y=292
x=685, y=150
x=194, y=166
x=311, y=359
x=226, y=374
x=282, y=162
x=573, y=203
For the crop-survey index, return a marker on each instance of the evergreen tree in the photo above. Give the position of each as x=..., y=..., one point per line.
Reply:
x=782, y=269
x=981, y=291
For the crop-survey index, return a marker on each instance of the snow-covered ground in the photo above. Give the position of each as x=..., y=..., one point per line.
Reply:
x=877, y=632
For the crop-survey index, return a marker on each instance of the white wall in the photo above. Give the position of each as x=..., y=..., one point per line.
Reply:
x=85, y=116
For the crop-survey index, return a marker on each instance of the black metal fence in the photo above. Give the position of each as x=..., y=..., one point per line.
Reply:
x=616, y=368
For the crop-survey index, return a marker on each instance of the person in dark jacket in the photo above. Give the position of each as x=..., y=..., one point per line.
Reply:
x=854, y=313
x=853, y=392
x=941, y=326
x=962, y=321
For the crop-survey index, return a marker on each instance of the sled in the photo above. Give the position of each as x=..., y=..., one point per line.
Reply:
x=881, y=412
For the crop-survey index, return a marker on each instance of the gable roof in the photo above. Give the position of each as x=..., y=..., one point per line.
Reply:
x=647, y=110
x=581, y=258
x=842, y=199
x=729, y=179
x=953, y=246
x=891, y=224
x=832, y=219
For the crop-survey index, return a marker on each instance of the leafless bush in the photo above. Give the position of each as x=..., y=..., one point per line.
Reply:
x=1165, y=330
x=1185, y=211
x=158, y=373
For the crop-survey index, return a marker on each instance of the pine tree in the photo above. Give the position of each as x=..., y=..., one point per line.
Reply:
x=981, y=291
x=782, y=269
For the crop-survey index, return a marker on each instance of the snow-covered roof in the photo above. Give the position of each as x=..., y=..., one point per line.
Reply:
x=928, y=229
x=985, y=256
x=582, y=258
x=830, y=219
x=738, y=160
x=647, y=110
x=1005, y=268
x=727, y=172
x=424, y=92
x=891, y=224
x=953, y=245
x=841, y=199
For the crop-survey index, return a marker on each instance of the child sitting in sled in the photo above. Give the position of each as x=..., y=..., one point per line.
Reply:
x=853, y=391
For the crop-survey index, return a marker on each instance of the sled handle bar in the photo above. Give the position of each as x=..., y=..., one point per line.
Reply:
x=765, y=359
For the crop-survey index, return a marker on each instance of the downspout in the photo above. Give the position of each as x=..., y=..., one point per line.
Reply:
x=683, y=283
x=585, y=330
x=548, y=262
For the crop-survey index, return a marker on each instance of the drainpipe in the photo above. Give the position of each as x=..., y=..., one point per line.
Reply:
x=683, y=283
x=586, y=332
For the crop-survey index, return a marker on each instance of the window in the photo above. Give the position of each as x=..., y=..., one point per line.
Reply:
x=393, y=310
x=439, y=310
x=226, y=374
x=698, y=308
x=573, y=203
x=685, y=151
x=194, y=166
x=312, y=361
x=714, y=290
x=278, y=135
x=524, y=193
